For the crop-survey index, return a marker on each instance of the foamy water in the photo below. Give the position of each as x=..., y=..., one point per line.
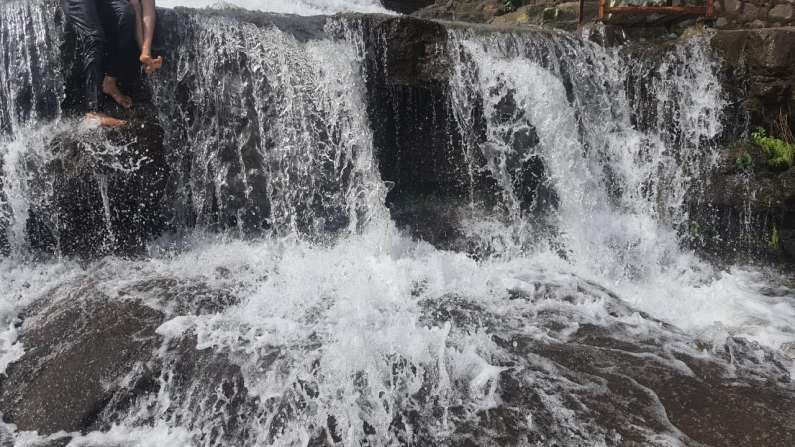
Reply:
x=336, y=298
x=349, y=310
x=300, y=7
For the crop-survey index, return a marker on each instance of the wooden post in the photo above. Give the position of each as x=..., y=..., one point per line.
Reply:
x=580, y=16
x=603, y=9
x=710, y=9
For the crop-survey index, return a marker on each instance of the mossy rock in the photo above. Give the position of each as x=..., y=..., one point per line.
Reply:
x=562, y=16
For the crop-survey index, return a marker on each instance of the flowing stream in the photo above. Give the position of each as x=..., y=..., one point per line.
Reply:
x=335, y=317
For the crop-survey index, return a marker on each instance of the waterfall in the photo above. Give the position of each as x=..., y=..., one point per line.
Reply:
x=610, y=174
x=302, y=7
x=275, y=135
x=30, y=81
x=31, y=89
x=283, y=304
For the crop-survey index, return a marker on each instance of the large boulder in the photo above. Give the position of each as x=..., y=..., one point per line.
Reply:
x=78, y=353
x=102, y=191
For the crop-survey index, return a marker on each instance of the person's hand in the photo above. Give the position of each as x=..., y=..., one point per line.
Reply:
x=151, y=64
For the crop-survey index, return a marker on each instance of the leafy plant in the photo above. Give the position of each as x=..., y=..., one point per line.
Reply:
x=695, y=230
x=780, y=154
x=510, y=5
x=775, y=239
x=745, y=162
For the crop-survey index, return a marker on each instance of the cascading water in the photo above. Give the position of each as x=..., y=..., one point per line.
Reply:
x=30, y=88
x=620, y=171
x=561, y=103
x=302, y=7
x=258, y=99
x=312, y=320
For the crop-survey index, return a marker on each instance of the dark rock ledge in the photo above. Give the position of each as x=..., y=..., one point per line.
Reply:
x=743, y=208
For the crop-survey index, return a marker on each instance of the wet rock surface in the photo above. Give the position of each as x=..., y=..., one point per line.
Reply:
x=518, y=13
x=558, y=374
x=468, y=11
x=90, y=358
x=406, y=6
x=79, y=351
x=744, y=206
x=417, y=141
x=97, y=191
x=4, y=221
x=103, y=192
x=759, y=70
x=612, y=382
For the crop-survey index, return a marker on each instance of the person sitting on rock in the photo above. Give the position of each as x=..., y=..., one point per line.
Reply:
x=107, y=31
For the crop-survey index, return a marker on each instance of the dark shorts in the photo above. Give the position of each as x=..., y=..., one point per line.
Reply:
x=105, y=31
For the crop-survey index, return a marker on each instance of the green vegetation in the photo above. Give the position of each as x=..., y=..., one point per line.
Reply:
x=745, y=162
x=780, y=154
x=775, y=239
x=695, y=230
x=510, y=5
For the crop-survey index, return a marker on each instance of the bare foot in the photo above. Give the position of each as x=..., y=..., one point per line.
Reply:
x=151, y=65
x=111, y=88
x=103, y=120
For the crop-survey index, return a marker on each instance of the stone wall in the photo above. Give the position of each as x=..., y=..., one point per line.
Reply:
x=735, y=14
x=745, y=204
x=555, y=13
x=731, y=14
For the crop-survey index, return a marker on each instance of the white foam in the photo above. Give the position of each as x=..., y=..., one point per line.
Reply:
x=21, y=284
x=156, y=436
x=300, y=7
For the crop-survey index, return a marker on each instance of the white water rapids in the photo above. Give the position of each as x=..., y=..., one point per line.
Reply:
x=341, y=312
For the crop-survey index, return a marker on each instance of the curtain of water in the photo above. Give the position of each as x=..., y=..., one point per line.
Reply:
x=620, y=169
x=270, y=132
x=31, y=90
x=31, y=84
x=302, y=7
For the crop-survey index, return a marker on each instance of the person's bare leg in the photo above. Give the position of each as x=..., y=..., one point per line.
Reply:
x=148, y=22
x=103, y=120
x=151, y=65
x=111, y=88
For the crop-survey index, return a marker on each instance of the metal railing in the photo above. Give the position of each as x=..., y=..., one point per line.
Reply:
x=606, y=11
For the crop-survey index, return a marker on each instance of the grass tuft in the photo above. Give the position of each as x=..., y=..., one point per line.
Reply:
x=780, y=154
